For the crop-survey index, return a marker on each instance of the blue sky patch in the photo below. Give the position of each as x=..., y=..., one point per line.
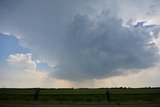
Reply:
x=9, y=44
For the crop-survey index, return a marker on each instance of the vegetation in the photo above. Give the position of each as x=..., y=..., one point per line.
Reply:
x=81, y=96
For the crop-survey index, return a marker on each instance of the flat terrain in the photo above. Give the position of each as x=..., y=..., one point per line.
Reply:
x=149, y=105
x=118, y=96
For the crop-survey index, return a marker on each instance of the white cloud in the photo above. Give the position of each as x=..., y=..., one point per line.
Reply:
x=22, y=60
x=38, y=61
x=25, y=73
x=5, y=33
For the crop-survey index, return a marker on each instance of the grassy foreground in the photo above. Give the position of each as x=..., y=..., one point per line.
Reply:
x=81, y=96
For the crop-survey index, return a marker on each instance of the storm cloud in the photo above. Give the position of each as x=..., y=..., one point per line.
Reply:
x=79, y=45
x=102, y=47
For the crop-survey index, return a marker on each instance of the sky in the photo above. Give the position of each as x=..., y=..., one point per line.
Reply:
x=79, y=43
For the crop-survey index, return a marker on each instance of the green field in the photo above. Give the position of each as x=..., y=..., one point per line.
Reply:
x=81, y=96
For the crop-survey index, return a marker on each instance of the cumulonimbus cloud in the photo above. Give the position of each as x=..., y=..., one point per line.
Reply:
x=102, y=47
x=80, y=45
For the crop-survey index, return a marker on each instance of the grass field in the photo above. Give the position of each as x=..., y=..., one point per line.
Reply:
x=81, y=96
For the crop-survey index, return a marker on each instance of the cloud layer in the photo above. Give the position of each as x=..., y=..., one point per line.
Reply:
x=24, y=70
x=81, y=45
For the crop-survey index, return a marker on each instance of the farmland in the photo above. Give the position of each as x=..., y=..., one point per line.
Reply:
x=81, y=96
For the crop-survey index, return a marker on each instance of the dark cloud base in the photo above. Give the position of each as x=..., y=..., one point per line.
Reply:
x=102, y=47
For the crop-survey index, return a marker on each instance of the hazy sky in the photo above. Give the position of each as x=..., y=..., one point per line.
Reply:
x=79, y=43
